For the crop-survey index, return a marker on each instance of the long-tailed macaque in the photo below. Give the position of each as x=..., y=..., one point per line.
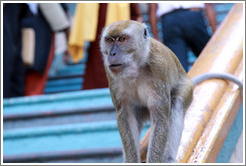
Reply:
x=147, y=82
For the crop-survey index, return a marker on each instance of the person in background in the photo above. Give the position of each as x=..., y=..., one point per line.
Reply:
x=37, y=75
x=183, y=26
x=136, y=12
x=22, y=76
x=13, y=66
x=95, y=76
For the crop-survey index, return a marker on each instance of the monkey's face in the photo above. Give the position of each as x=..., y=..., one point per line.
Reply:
x=125, y=47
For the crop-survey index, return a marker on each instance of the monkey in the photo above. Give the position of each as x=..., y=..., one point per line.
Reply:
x=146, y=82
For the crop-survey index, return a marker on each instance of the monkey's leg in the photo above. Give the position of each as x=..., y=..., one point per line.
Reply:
x=158, y=134
x=176, y=123
x=128, y=128
x=181, y=99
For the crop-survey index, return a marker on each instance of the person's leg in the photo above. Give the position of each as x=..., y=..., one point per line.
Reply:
x=196, y=32
x=95, y=76
x=173, y=38
x=35, y=81
x=13, y=67
x=8, y=58
x=18, y=77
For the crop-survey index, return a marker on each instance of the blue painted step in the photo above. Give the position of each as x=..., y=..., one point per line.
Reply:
x=223, y=7
x=62, y=103
x=63, y=88
x=70, y=126
x=71, y=69
x=71, y=81
x=60, y=139
x=63, y=84
x=65, y=77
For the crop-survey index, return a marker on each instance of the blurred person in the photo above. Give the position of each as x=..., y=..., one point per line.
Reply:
x=13, y=66
x=135, y=12
x=41, y=21
x=95, y=76
x=19, y=77
x=183, y=26
x=100, y=14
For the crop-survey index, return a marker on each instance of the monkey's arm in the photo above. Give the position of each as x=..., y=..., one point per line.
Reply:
x=159, y=131
x=225, y=76
x=128, y=129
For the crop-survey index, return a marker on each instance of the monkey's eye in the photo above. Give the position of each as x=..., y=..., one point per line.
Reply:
x=121, y=39
x=109, y=40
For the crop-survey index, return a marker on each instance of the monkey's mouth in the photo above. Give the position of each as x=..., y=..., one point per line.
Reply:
x=116, y=67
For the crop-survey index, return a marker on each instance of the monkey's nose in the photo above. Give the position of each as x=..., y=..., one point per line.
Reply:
x=112, y=53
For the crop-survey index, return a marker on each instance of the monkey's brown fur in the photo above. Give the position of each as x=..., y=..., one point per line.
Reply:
x=147, y=82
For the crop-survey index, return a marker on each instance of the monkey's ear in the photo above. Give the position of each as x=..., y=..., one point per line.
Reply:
x=146, y=33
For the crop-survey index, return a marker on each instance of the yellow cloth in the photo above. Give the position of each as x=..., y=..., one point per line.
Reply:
x=85, y=24
x=84, y=28
x=117, y=12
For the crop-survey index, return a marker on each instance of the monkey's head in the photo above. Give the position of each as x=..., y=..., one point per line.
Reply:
x=125, y=48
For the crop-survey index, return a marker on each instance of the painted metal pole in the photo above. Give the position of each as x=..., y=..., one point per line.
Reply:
x=223, y=53
x=215, y=133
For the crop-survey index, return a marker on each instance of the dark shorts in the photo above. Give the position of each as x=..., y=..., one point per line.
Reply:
x=184, y=30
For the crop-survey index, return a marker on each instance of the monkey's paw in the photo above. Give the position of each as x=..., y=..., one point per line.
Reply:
x=168, y=159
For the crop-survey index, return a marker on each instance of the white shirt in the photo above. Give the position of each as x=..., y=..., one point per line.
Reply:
x=33, y=7
x=166, y=7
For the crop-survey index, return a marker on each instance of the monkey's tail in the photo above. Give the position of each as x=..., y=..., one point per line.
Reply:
x=225, y=76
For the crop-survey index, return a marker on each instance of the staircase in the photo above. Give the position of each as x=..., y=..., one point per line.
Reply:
x=65, y=125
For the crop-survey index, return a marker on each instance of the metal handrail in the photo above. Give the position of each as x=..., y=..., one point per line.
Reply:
x=223, y=53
